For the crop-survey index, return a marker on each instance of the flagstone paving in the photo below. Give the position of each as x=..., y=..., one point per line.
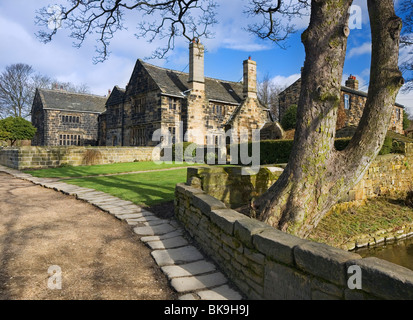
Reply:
x=189, y=272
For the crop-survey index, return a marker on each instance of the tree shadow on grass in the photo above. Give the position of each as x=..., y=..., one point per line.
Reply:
x=142, y=192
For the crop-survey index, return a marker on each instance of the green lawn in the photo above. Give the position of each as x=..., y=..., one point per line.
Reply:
x=95, y=170
x=146, y=189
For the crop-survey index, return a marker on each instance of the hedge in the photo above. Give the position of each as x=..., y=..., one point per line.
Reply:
x=278, y=151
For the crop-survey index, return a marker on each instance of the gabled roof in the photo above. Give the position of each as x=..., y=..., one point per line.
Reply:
x=175, y=83
x=69, y=101
x=116, y=97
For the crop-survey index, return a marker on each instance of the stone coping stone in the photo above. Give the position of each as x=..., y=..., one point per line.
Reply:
x=187, y=190
x=225, y=219
x=277, y=245
x=385, y=279
x=176, y=256
x=323, y=261
x=155, y=230
x=189, y=269
x=245, y=228
x=220, y=293
x=187, y=284
x=155, y=222
x=206, y=203
x=170, y=243
x=168, y=235
x=128, y=216
x=123, y=212
x=146, y=219
x=188, y=296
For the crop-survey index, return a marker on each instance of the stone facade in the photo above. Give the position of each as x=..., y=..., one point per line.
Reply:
x=351, y=105
x=265, y=263
x=66, y=119
x=181, y=104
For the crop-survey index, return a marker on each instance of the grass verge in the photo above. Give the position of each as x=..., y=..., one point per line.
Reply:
x=96, y=170
x=378, y=214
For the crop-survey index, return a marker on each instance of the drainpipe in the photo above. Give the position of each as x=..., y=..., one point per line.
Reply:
x=123, y=122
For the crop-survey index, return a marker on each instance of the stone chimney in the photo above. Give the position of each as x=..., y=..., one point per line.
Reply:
x=196, y=79
x=250, y=79
x=352, y=82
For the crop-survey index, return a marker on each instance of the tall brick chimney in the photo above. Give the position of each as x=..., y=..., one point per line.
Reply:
x=352, y=82
x=250, y=79
x=196, y=79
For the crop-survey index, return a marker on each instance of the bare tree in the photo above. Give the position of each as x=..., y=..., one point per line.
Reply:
x=17, y=86
x=317, y=175
x=164, y=19
x=18, y=83
x=69, y=86
x=268, y=95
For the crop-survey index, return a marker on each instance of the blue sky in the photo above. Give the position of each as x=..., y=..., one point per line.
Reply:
x=223, y=59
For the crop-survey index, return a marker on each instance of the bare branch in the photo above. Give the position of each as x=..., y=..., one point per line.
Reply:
x=406, y=42
x=276, y=18
x=163, y=19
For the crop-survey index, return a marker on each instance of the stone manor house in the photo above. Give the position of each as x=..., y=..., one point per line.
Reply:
x=177, y=103
x=351, y=105
x=181, y=103
x=66, y=119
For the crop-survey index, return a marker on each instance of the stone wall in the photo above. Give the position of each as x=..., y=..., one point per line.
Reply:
x=227, y=184
x=48, y=157
x=388, y=175
x=266, y=263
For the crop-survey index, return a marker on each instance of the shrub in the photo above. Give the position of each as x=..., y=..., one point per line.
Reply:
x=278, y=151
x=16, y=128
x=290, y=118
x=184, y=146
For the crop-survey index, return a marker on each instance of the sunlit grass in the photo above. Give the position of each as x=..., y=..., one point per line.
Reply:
x=146, y=189
x=95, y=170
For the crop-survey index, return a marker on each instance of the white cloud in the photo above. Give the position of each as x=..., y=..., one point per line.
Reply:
x=365, y=48
x=285, y=81
x=406, y=99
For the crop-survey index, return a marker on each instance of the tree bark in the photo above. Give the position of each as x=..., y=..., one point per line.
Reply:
x=317, y=175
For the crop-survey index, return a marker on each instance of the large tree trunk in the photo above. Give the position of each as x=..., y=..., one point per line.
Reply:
x=317, y=175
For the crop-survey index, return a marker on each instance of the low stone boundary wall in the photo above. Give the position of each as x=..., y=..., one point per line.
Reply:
x=388, y=175
x=47, y=157
x=229, y=185
x=266, y=263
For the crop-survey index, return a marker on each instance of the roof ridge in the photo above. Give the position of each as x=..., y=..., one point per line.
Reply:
x=186, y=73
x=74, y=93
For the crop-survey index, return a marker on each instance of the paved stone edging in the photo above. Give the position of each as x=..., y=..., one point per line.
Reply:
x=188, y=271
